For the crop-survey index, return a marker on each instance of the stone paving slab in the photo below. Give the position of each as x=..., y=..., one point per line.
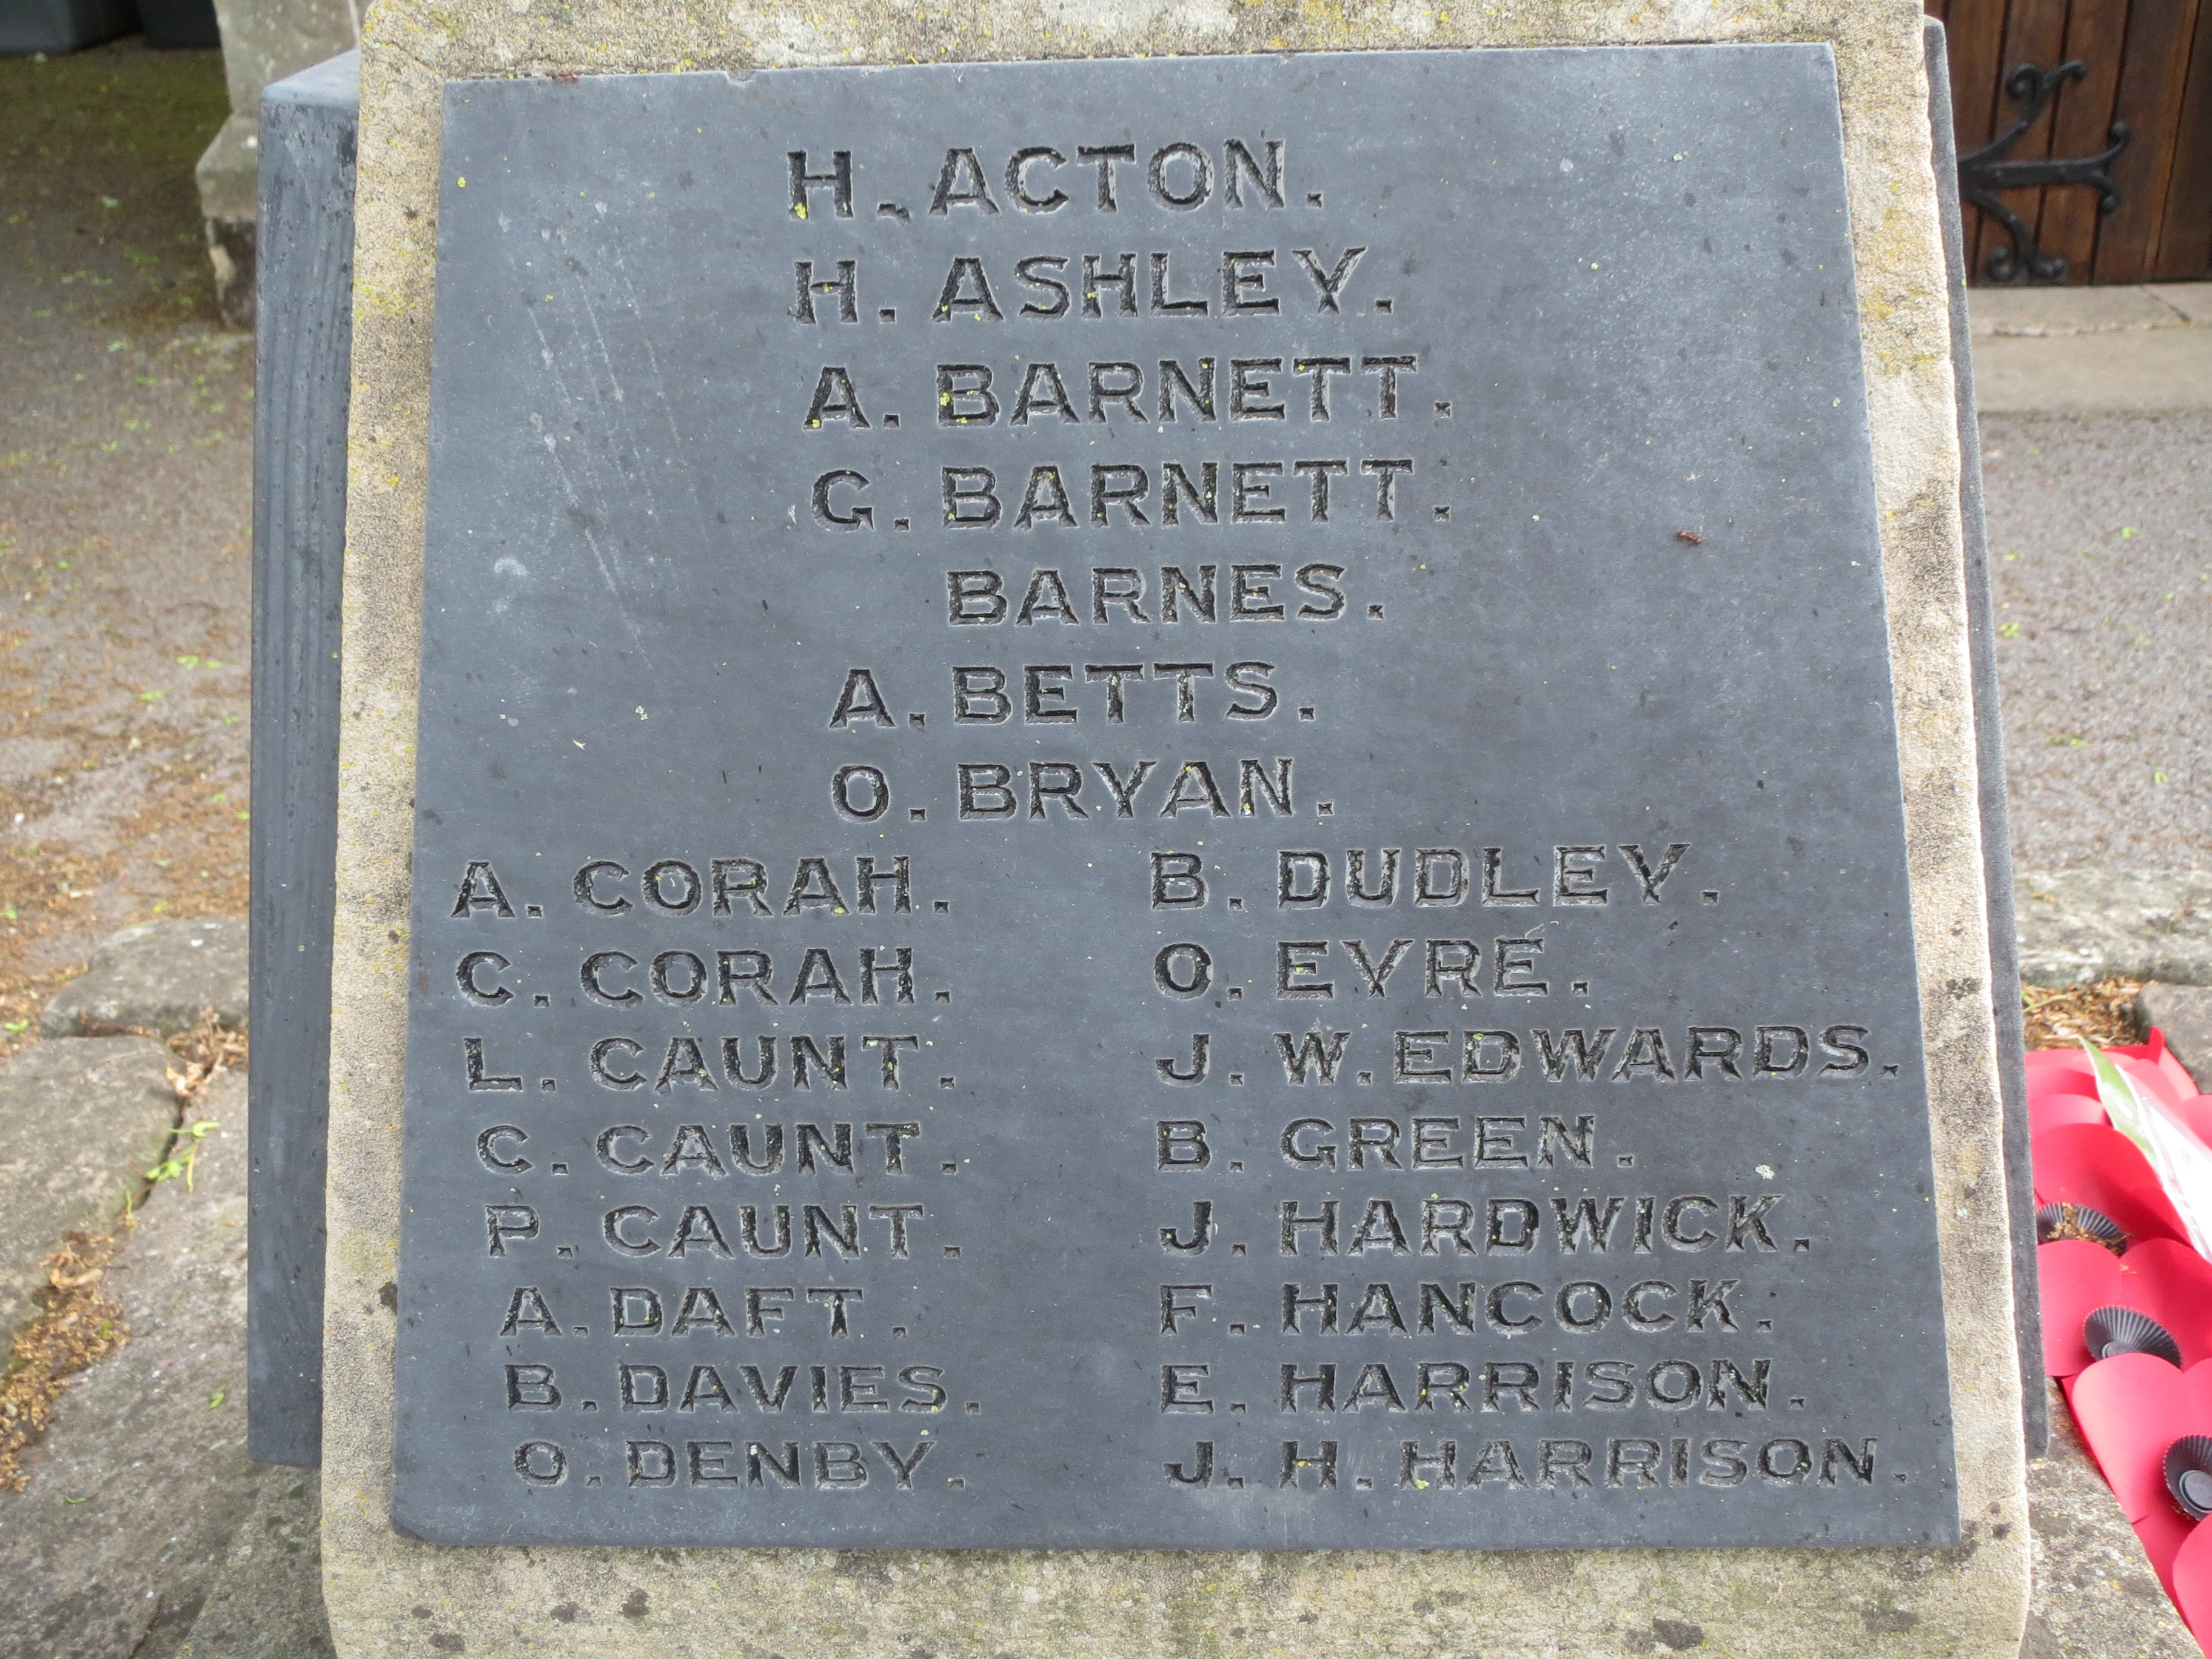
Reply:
x=79, y=1124
x=267, y=1601
x=2045, y=312
x=157, y=976
x=2184, y=1012
x=2150, y=368
x=142, y=1482
x=2077, y=926
x=2192, y=299
x=2138, y=346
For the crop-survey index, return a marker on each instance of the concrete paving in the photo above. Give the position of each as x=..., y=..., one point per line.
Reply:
x=267, y=1599
x=2051, y=313
x=2095, y=445
x=2101, y=538
x=2096, y=373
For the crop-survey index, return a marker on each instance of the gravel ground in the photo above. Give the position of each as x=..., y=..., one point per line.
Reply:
x=125, y=515
x=2100, y=532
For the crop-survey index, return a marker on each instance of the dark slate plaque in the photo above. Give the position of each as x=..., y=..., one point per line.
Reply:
x=1159, y=807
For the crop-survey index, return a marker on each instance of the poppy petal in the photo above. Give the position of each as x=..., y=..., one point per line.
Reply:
x=2048, y=1063
x=2154, y=1053
x=2155, y=1083
x=2088, y=1163
x=2051, y=1108
x=2191, y=1576
x=2131, y=1407
x=2173, y=1285
x=2077, y=1278
x=2163, y=1532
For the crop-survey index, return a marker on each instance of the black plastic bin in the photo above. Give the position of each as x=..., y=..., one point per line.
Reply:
x=171, y=23
x=60, y=25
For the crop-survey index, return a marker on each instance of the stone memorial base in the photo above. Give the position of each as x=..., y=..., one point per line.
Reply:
x=389, y=1594
x=263, y=42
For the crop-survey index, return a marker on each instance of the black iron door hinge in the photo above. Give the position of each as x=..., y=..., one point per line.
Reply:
x=1982, y=173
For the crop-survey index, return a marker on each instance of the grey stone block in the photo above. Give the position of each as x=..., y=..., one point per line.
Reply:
x=2184, y=1012
x=60, y=26
x=227, y=174
x=2095, y=1596
x=2080, y=926
x=2009, y=1017
x=264, y=41
x=80, y=1123
x=156, y=977
x=301, y=355
x=267, y=1601
x=141, y=1482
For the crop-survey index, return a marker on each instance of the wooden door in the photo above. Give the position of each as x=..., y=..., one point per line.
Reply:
x=2149, y=65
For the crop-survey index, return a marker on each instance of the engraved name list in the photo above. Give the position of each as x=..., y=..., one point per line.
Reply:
x=1157, y=808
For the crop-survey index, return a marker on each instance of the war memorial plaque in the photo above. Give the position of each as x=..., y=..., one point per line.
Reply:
x=1159, y=807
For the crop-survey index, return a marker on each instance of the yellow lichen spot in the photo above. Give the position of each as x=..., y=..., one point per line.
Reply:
x=460, y=183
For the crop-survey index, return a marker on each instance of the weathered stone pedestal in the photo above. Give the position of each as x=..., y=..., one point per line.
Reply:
x=390, y=1594
x=263, y=42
